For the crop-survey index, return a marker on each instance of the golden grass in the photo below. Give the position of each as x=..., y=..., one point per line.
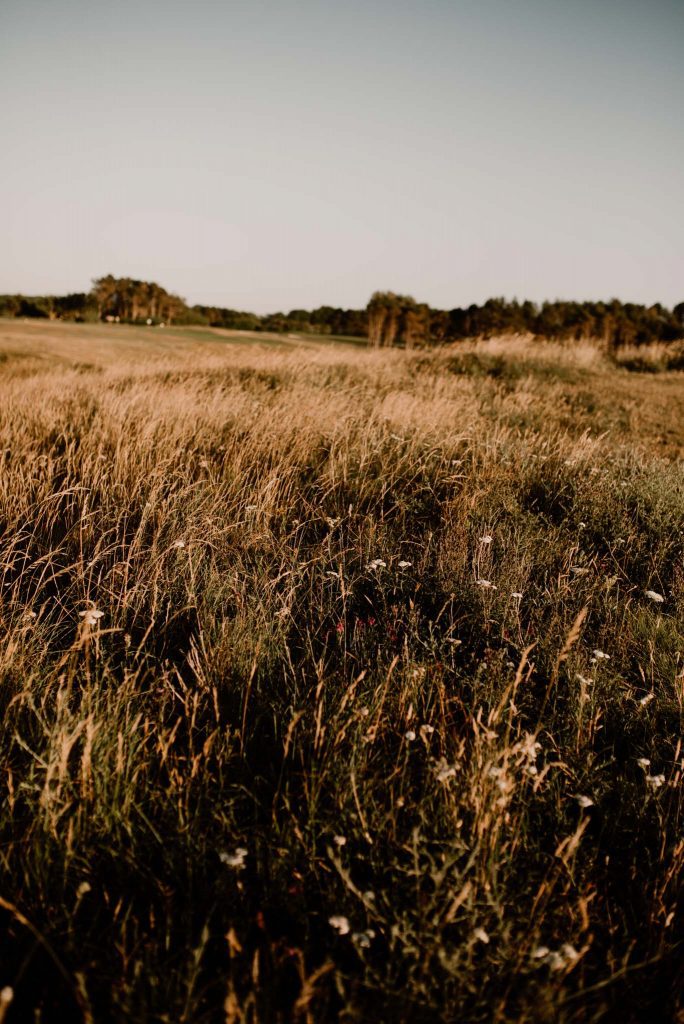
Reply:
x=343, y=742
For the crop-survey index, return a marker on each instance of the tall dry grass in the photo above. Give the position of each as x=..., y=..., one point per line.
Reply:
x=332, y=689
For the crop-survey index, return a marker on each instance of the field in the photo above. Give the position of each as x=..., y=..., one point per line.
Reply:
x=338, y=684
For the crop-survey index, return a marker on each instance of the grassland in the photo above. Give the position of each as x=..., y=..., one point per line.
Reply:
x=331, y=684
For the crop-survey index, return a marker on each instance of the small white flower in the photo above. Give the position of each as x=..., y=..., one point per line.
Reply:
x=178, y=544
x=339, y=923
x=363, y=939
x=578, y=570
x=655, y=596
x=426, y=730
x=582, y=526
x=444, y=771
x=655, y=781
x=584, y=801
x=410, y=735
x=647, y=699
x=517, y=595
x=234, y=860
x=481, y=935
x=340, y=840
x=600, y=655
x=376, y=563
x=405, y=565
x=486, y=584
x=487, y=539
x=644, y=762
x=540, y=953
x=6, y=996
x=91, y=616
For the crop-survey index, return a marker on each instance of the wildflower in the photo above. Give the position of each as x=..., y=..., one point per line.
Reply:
x=644, y=762
x=333, y=521
x=655, y=781
x=582, y=526
x=557, y=960
x=234, y=860
x=654, y=596
x=647, y=699
x=90, y=616
x=376, y=563
x=340, y=840
x=486, y=584
x=600, y=655
x=426, y=730
x=481, y=935
x=584, y=801
x=178, y=544
x=583, y=680
x=6, y=997
x=339, y=923
x=517, y=595
x=410, y=735
x=363, y=939
x=578, y=570
x=444, y=771
x=487, y=539
x=405, y=565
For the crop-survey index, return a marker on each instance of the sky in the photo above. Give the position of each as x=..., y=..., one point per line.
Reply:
x=272, y=154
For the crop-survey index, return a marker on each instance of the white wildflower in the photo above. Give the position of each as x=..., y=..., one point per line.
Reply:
x=6, y=997
x=647, y=699
x=655, y=781
x=481, y=935
x=644, y=762
x=655, y=596
x=91, y=616
x=600, y=655
x=584, y=801
x=444, y=771
x=410, y=735
x=517, y=595
x=178, y=544
x=376, y=563
x=234, y=860
x=426, y=730
x=339, y=923
x=557, y=960
x=363, y=939
x=405, y=565
x=340, y=840
x=487, y=539
x=486, y=584
x=578, y=570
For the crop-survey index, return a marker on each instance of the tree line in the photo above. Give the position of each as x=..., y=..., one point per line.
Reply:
x=388, y=320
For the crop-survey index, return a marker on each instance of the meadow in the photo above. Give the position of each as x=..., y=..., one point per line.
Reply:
x=339, y=684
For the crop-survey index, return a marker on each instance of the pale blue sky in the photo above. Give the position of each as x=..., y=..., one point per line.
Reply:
x=279, y=154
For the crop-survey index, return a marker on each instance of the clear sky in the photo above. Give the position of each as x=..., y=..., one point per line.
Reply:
x=275, y=154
